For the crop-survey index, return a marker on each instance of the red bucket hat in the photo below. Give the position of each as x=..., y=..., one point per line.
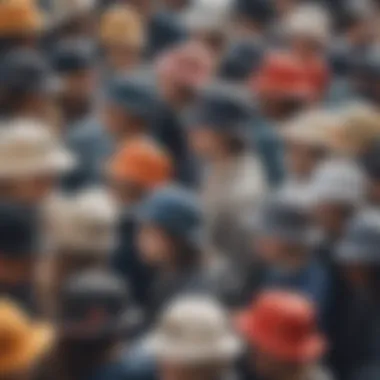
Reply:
x=283, y=324
x=283, y=75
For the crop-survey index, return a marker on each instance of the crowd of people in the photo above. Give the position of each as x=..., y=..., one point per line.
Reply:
x=189, y=190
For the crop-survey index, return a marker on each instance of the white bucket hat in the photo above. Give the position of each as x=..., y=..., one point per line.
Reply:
x=84, y=222
x=194, y=330
x=29, y=148
x=338, y=181
x=209, y=15
x=310, y=21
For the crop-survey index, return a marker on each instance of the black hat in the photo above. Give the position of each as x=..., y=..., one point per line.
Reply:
x=72, y=56
x=25, y=71
x=257, y=10
x=19, y=230
x=94, y=304
x=223, y=110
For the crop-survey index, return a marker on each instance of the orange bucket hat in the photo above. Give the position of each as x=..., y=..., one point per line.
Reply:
x=19, y=17
x=22, y=342
x=283, y=324
x=141, y=162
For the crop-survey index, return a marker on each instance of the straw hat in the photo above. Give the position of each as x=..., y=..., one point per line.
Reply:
x=122, y=25
x=22, y=341
x=19, y=17
x=194, y=330
x=143, y=163
x=84, y=222
x=29, y=148
x=359, y=127
x=284, y=325
x=311, y=128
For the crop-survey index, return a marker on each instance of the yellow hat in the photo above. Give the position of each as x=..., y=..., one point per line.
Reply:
x=22, y=342
x=19, y=17
x=122, y=25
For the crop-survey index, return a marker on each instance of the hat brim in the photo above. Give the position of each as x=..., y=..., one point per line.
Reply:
x=227, y=348
x=34, y=346
x=308, y=350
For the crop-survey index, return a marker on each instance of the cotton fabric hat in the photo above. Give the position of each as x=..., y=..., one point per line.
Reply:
x=94, y=304
x=189, y=64
x=176, y=210
x=284, y=325
x=20, y=17
x=283, y=75
x=28, y=148
x=23, y=342
x=84, y=222
x=308, y=20
x=194, y=330
x=311, y=128
x=141, y=162
x=122, y=25
x=360, y=243
x=133, y=95
x=338, y=181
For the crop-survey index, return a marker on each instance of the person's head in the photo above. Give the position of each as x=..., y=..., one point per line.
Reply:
x=170, y=229
x=137, y=169
x=217, y=125
x=122, y=38
x=281, y=331
x=94, y=314
x=25, y=342
x=182, y=71
x=20, y=24
x=73, y=63
x=282, y=86
x=208, y=23
x=357, y=254
x=337, y=189
x=306, y=140
x=32, y=161
x=193, y=340
x=128, y=107
x=282, y=232
x=26, y=86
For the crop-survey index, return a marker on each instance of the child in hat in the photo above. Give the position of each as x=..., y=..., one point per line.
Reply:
x=283, y=340
x=203, y=345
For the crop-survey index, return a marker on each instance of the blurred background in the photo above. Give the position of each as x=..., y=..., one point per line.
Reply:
x=189, y=190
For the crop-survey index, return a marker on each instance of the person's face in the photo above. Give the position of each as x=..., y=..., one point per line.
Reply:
x=331, y=218
x=305, y=46
x=374, y=191
x=115, y=119
x=174, y=371
x=79, y=86
x=301, y=159
x=124, y=192
x=356, y=275
x=122, y=58
x=206, y=143
x=28, y=190
x=282, y=7
x=154, y=245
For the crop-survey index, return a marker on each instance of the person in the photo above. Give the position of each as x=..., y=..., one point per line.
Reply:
x=134, y=172
x=283, y=340
x=20, y=235
x=25, y=341
x=203, y=347
x=94, y=319
x=122, y=38
x=32, y=160
x=234, y=180
x=20, y=24
x=337, y=190
x=126, y=113
x=27, y=88
x=280, y=89
x=74, y=66
x=283, y=240
x=358, y=261
x=169, y=241
x=81, y=233
x=306, y=144
x=181, y=74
